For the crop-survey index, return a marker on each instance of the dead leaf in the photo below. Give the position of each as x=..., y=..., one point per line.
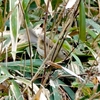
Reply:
x=70, y=4
x=38, y=2
x=37, y=95
x=3, y=88
x=53, y=65
x=95, y=80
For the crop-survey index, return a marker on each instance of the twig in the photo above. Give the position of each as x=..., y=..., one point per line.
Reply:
x=57, y=22
x=30, y=1
x=28, y=36
x=66, y=28
x=5, y=6
x=44, y=28
x=94, y=96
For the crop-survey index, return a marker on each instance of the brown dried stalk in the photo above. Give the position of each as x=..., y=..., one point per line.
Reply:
x=44, y=27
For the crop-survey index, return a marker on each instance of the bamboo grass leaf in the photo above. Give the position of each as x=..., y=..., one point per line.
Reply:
x=82, y=26
x=72, y=73
x=1, y=21
x=25, y=4
x=16, y=91
x=14, y=26
x=93, y=24
x=38, y=2
x=68, y=90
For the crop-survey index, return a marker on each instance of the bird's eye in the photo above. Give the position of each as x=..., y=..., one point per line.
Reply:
x=42, y=41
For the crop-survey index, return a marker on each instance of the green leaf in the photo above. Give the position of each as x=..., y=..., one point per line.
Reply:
x=14, y=26
x=3, y=78
x=56, y=94
x=23, y=80
x=82, y=25
x=4, y=71
x=72, y=73
x=67, y=46
x=4, y=74
x=25, y=3
x=16, y=91
x=1, y=21
x=27, y=18
x=93, y=34
x=78, y=60
x=92, y=51
x=38, y=23
x=56, y=3
x=67, y=89
x=20, y=65
x=93, y=24
x=77, y=84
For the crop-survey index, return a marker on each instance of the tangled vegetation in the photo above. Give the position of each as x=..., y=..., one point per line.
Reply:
x=49, y=49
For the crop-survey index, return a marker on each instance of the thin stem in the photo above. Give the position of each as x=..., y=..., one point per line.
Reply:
x=28, y=36
x=44, y=28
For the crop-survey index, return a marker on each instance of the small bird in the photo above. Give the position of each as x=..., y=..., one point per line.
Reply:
x=37, y=37
x=40, y=45
x=49, y=45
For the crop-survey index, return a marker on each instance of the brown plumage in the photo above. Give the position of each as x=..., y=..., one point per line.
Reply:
x=49, y=45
